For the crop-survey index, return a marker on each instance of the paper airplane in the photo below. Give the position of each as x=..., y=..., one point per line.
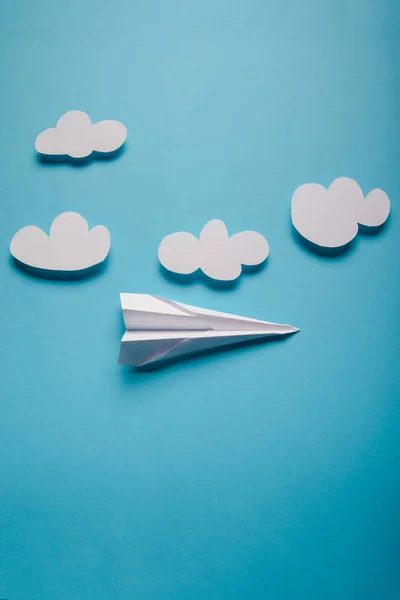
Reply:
x=158, y=329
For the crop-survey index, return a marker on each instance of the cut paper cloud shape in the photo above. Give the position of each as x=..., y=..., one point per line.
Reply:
x=76, y=136
x=219, y=256
x=330, y=217
x=70, y=247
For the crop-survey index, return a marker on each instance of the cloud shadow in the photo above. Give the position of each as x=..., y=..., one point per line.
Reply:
x=215, y=284
x=374, y=231
x=63, y=159
x=342, y=251
x=53, y=275
x=320, y=250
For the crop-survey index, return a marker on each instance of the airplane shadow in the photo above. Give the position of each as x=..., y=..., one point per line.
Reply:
x=201, y=356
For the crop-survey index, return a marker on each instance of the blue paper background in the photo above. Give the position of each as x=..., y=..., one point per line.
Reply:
x=265, y=472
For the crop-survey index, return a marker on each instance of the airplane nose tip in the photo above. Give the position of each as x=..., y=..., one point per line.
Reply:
x=289, y=329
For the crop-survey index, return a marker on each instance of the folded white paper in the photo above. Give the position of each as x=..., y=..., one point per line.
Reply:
x=159, y=329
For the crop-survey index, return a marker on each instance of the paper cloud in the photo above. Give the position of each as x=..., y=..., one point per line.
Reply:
x=330, y=217
x=75, y=136
x=70, y=246
x=219, y=256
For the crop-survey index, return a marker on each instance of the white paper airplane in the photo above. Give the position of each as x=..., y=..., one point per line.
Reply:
x=159, y=329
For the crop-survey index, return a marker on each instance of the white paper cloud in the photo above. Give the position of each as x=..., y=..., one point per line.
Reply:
x=75, y=136
x=330, y=217
x=219, y=256
x=70, y=246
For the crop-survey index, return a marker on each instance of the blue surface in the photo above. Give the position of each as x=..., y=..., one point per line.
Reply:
x=265, y=472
